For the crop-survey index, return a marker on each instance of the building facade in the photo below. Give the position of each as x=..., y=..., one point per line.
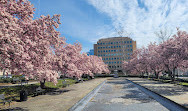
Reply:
x=91, y=52
x=115, y=50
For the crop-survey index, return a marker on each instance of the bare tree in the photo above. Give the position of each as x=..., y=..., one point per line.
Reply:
x=163, y=34
x=122, y=33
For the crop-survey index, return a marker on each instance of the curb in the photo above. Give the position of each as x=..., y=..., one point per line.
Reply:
x=84, y=101
x=169, y=104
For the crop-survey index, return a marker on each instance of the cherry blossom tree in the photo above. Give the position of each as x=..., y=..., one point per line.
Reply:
x=166, y=57
x=154, y=60
x=74, y=64
x=98, y=66
x=174, y=53
x=27, y=44
x=35, y=49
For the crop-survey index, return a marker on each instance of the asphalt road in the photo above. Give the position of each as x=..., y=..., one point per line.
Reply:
x=120, y=95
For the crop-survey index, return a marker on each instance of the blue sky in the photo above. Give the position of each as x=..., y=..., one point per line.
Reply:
x=86, y=21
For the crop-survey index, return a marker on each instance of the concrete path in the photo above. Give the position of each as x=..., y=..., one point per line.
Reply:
x=60, y=100
x=119, y=94
x=176, y=93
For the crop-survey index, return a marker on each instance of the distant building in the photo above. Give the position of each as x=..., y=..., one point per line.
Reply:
x=115, y=50
x=91, y=52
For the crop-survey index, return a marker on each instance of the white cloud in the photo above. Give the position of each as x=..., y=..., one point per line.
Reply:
x=143, y=19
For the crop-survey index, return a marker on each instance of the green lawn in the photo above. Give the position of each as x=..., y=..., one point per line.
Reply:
x=59, y=84
x=13, y=92
x=183, y=83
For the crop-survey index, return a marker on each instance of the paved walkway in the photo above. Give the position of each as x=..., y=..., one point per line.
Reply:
x=119, y=94
x=61, y=100
x=176, y=93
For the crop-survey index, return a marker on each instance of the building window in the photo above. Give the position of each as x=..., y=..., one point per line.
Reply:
x=131, y=49
x=116, y=42
x=109, y=58
x=130, y=41
x=98, y=51
x=103, y=47
x=109, y=62
x=118, y=58
x=118, y=62
x=98, y=47
x=109, y=66
x=111, y=46
x=130, y=45
x=106, y=47
x=106, y=58
x=119, y=46
x=111, y=42
x=103, y=50
x=112, y=50
x=112, y=58
x=114, y=62
x=106, y=50
x=127, y=41
x=127, y=49
x=114, y=46
x=127, y=45
x=103, y=43
x=124, y=41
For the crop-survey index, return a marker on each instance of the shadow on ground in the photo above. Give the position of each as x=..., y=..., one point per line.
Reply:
x=14, y=109
x=57, y=92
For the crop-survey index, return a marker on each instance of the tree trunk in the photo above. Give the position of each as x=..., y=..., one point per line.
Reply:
x=42, y=84
x=4, y=73
x=156, y=75
x=173, y=75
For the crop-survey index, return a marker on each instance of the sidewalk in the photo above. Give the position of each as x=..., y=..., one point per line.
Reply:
x=176, y=93
x=61, y=100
